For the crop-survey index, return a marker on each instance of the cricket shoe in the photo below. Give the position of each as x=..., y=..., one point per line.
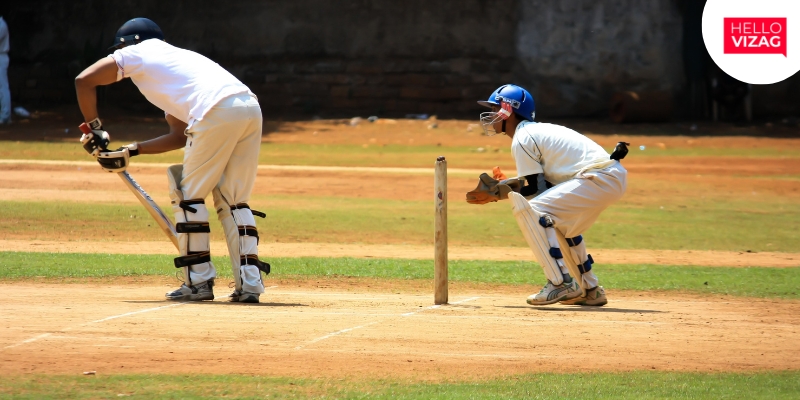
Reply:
x=244, y=297
x=594, y=297
x=554, y=293
x=203, y=291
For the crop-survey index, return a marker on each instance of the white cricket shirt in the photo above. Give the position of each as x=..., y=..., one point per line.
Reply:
x=558, y=152
x=183, y=83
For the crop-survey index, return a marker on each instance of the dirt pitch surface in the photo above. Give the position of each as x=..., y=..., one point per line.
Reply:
x=368, y=328
x=356, y=327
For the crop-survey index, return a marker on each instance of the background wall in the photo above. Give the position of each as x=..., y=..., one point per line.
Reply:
x=358, y=57
x=575, y=54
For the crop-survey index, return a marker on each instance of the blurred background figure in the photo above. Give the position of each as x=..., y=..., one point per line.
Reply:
x=5, y=94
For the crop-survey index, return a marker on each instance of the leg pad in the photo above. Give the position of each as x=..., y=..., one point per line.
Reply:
x=186, y=205
x=248, y=230
x=192, y=258
x=574, y=241
x=245, y=205
x=587, y=266
x=192, y=227
x=539, y=236
x=252, y=259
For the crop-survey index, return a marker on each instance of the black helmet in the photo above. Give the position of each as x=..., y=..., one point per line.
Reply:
x=135, y=31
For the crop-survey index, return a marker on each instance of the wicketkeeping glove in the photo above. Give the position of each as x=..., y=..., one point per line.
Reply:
x=490, y=190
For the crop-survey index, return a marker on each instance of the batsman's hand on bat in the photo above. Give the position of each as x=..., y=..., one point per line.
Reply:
x=95, y=141
x=491, y=189
x=94, y=138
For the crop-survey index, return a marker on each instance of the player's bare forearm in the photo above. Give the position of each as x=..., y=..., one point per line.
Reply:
x=103, y=72
x=175, y=139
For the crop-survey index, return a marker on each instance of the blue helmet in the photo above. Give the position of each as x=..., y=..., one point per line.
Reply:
x=519, y=99
x=136, y=31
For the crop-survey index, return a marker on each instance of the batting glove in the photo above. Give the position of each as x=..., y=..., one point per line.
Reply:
x=94, y=138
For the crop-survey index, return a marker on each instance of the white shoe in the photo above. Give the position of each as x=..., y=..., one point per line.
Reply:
x=554, y=293
x=203, y=291
x=594, y=297
x=244, y=297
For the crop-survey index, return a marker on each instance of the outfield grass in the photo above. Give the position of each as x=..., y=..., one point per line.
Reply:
x=734, y=224
x=390, y=155
x=750, y=282
x=621, y=385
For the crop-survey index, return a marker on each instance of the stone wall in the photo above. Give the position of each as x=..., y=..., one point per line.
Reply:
x=574, y=54
x=362, y=57
x=300, y=57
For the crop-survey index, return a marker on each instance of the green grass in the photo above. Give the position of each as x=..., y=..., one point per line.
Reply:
x=750, y=282
x=390, y=155
x=760, y=224
x=383, y=156
x=621, y=385
x=291, y=154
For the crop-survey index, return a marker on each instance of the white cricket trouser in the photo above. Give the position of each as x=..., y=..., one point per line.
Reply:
x=576, y=204
x=222, y=151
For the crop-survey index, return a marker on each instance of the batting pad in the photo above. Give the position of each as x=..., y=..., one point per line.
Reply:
x=246, y=277
x=536, y=236
x=193, y=242
x=231, y=233
x=570, y=258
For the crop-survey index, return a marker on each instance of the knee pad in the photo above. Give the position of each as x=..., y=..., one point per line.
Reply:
x=580, y=263
x=584, y=260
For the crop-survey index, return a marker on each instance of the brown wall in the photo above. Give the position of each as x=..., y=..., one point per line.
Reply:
x=363, y=57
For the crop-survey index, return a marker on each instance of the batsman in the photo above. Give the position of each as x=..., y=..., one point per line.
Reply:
x=565, y=181
x=217, y=120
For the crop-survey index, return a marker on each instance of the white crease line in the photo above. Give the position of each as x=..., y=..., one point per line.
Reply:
x=330, y=335
x=373, y=323
x=437, y=306
x=270, y=287
x=42, y=336
x=131, y=313
x=33, y=339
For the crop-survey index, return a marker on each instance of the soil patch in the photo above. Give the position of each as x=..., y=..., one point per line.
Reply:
x=335, y=328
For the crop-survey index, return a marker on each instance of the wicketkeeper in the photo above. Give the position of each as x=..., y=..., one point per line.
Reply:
x=217, y=119
x=565, y=181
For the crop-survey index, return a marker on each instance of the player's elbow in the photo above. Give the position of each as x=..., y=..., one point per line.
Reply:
x=87, y=79
x=81, y=80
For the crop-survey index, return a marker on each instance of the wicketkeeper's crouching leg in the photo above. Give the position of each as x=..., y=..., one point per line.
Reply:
x=242, y=238
x=191, y=224
x=542, y=237
x=594, y=295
